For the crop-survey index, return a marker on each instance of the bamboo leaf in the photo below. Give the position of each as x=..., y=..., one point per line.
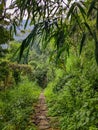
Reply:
x=26, y=55
x=22, y=48
x=95, y=36
x=70, y=10
x=82, y=42
x=26, y=23
x=97, y=20
x=91, y=7
x=88, y=27
x=10, y=31
x=96, y=51
x=59, y=52
x=14, y=26
x=81, y=10
x=73, y=28
x=29, y=41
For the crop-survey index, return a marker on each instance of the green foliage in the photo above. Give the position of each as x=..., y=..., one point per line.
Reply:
x=72, y=90
x=5, y=74
x=60, y=22
x=16, y=105
x=4, y=35
x=72, y=97
x=4, y=69
x=74, y=20
x=11, y=73
x=41, y=77
x=16, y=75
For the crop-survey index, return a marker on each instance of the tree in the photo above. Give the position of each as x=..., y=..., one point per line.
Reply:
x=4, y=31
x=59, y=21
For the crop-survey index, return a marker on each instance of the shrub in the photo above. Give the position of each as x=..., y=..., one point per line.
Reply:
x=16, y=105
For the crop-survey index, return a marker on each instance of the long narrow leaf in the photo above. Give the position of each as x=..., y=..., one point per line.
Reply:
x=88, y=27
x=82, y=42
x=28, y=41
x=70, y=10
x=81, y=10
x=96, y=52
x=97, y=20
x=91, y=7
x=73, y=28
x=14, y=28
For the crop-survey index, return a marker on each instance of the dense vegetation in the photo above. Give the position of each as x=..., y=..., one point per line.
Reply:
x=59, y=55
x=16, y=106
x=72, y=95
x=19, y=91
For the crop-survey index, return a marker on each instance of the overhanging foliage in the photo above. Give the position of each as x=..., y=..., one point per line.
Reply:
x=77, y=18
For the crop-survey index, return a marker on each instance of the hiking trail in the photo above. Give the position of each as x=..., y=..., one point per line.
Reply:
x=41, y=119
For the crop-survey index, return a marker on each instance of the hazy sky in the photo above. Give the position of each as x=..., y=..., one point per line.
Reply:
x=8, y=3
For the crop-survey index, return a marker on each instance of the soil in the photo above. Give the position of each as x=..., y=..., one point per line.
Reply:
x=41, y=118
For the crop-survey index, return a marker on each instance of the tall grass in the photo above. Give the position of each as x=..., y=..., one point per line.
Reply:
x=16, y=105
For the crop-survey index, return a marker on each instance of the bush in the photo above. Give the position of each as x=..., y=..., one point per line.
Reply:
x=73, y=97
x=16, y=105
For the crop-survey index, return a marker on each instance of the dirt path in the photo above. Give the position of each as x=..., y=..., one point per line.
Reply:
x=41, y=120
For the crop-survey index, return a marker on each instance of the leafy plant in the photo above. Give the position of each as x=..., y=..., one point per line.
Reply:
x=16, y=105
x=72, y=97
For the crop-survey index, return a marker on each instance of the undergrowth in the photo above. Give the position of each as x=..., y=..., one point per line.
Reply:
x=16, y=106
x=73, y=97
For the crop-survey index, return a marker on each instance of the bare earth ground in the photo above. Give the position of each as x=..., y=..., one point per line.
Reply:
x=40, y=119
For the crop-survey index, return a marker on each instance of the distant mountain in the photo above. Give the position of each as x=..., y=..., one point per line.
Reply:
x=21, y=32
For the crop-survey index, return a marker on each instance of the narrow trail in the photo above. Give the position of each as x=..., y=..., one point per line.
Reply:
x=41, y=120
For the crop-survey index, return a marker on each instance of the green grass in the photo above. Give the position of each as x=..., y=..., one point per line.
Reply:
x=72, y=96
x=16, y=105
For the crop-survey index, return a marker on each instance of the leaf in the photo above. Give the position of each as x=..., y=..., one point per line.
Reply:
x=96, y=51
x=70, y=10
x=81, y=10
x=73, y=28
x=95, y=36
x=26, y=55
x=51, y=55
x=14, y=26
x=48, y=40
x=91, y=7
x=29, y=41
x=56, y=24
x=88, y=27
x=10, y=31
x=97, y=20
x=26, y=23
x=82, y=42
x=22, y=48
x=59, y=52
x=16, y=52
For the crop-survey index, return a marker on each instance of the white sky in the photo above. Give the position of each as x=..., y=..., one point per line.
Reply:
x=8, y=3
